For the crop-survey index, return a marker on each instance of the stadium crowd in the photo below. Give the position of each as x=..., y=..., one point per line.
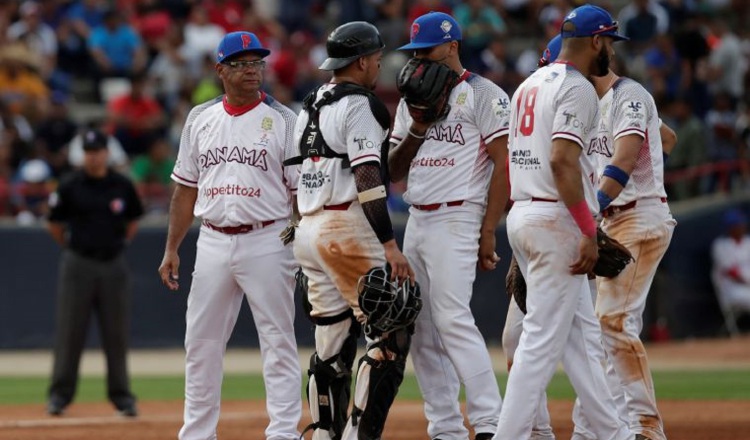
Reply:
x=136, y=67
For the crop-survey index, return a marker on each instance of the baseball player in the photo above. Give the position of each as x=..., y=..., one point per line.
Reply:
x=457, y=190
x=513, y=322
x=541, y=429
x=633, y=202
x=229, y=174
x=552, y=232
x=344, y=232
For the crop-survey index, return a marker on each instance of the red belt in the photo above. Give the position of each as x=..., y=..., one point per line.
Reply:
x=241, y=229
x=612, y=210
x=340, y=207
x=436, y=206
x=539, y=199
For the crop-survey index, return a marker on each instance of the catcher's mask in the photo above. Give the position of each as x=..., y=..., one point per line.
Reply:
x=388, y=305
x=349, y=42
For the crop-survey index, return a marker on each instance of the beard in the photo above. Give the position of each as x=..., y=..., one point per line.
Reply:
x=601, y=63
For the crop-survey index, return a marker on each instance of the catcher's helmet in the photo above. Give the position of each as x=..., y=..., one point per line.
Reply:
x=349, y=42
x=388, y=305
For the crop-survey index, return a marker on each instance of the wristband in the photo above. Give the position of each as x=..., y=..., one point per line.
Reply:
x=604, y=200
x=583, y=218
x=617, y=174
x=412, y=134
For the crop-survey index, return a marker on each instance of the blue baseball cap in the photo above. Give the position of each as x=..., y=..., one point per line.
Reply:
x=734, y=217
x=552, y=51
x=433, y=29
x=589, y=20
x=235, y=43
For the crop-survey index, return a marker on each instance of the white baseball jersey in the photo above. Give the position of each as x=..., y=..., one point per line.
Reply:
x=555, y=102
x=452, y=164
x=348, y=126
x=234, y=157
x=627, y=108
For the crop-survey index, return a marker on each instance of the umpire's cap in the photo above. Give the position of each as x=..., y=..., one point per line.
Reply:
x=235, y=43
x=94, y=139
x=349, y=42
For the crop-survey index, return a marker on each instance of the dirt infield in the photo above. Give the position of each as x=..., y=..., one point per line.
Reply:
x=684, y=420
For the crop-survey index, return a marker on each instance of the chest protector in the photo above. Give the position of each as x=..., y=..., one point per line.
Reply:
x=312, y=143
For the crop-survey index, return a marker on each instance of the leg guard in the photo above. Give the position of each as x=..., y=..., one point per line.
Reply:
x=329, y=388
x=380, y=373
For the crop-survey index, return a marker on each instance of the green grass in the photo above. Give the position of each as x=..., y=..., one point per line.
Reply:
x=680, y=385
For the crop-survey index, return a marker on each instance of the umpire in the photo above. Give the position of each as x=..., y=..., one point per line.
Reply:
x=93, y=215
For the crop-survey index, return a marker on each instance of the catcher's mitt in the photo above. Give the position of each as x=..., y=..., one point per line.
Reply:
x=515, y=285
x=425, y=86
x=613, y=256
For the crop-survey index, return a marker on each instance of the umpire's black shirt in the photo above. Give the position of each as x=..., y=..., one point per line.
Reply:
x=96, y=211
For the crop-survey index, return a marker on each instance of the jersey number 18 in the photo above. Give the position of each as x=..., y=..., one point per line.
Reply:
x=526, y=124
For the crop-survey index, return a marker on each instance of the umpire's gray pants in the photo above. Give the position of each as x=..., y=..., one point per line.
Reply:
x=86, y=285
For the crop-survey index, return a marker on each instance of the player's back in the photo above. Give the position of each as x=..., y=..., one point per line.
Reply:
x=556, y=101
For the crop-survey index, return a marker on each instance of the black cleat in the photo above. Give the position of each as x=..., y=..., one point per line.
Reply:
x=128, y=411
x=55, y=407
x=484, y=436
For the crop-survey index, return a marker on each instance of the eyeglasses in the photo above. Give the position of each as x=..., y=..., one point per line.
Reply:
x=244, y=64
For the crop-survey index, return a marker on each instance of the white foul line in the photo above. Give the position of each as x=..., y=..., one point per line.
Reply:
x=109, y=420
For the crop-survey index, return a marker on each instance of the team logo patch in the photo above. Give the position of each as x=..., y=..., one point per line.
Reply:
x=117, y=205
x=446, y=26
x=266, y=124
x=414, y=30
x=246, y=41
x=571, y=15
x=461, y=100
x=501, y=107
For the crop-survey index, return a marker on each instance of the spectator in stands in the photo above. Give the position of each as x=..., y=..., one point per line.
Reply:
x=225, y=13
x=201, y=36
x=731, y=261
x=690, y=150
x=117, y=159
x=642, y=21
x=497, y=66
x=116, y=48
x=723, y=139
x=480, y=24
x=664, y=69
x=55, y=132
x=151, y=174
x=726, y=63
x=31, y=191
x=93, y=216
x=22, y=89
x=208, y=86
x=136, y=118
x=171, y=70
x=38, y=36
x=152, y=22
x=85, y=15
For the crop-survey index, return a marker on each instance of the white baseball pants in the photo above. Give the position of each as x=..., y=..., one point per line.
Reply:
x=228, y=268
x=447, y=347
x=560, y=325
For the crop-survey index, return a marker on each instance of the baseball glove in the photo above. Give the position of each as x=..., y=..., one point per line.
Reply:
x=425, y=86
x=287, y=235
x=613, y=256
x=515, y=285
